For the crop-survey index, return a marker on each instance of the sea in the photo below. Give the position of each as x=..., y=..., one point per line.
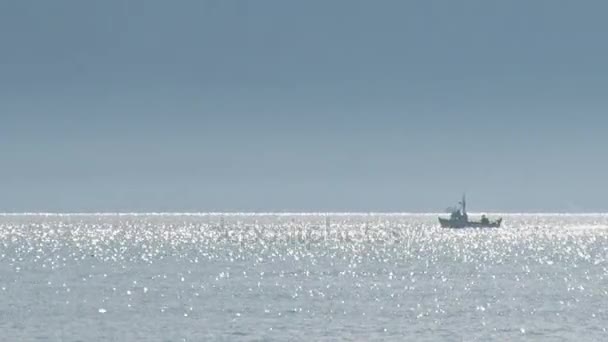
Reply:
x=302, y=277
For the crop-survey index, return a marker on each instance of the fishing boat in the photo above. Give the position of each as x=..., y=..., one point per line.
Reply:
x=460, y=219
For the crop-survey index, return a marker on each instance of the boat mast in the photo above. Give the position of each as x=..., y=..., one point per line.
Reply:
x=464, y=205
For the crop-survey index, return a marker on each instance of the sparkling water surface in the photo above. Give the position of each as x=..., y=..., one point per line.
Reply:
x=280, y=277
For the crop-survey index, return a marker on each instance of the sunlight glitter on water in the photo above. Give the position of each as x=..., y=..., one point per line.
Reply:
x=358, y=276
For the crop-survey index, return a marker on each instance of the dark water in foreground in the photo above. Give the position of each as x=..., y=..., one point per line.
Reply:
x=295, y=277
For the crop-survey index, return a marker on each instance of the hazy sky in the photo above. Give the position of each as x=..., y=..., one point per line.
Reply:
x=303, y=105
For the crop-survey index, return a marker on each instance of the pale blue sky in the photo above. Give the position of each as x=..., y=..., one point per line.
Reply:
x=303, y=105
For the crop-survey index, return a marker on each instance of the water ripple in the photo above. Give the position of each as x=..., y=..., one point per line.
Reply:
x=274, y=276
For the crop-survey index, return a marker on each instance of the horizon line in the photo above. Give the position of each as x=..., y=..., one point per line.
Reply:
x=287, y=213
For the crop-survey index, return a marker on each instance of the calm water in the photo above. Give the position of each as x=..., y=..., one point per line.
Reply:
x=299, y=277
